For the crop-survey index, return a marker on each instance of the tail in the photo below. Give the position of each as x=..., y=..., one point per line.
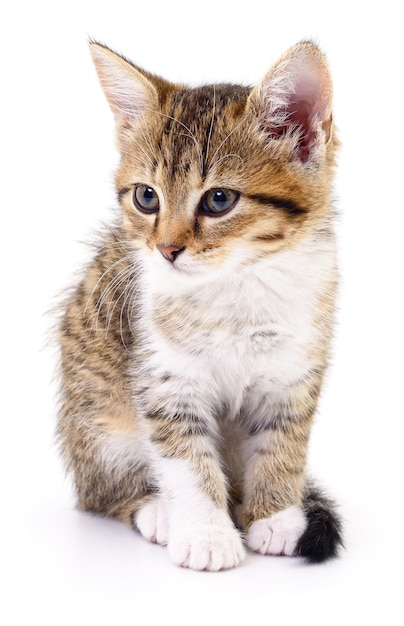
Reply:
x=322, y=539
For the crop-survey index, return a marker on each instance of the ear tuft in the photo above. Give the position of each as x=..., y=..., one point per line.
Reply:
x=295, y=99
x=127, y=89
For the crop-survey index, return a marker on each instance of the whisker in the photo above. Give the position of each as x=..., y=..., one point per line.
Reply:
x=111, y=311
x=149, y=159
x=113, y=287
x=130, y=293
x=211, y=124
x=212, y=163
x=152, y=159
x=109, y=292
x=190, y=134
x=228, y=156
x=109, y=269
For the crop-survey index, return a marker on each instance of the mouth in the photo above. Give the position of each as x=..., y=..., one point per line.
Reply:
x=187, y=268
x=183, y=266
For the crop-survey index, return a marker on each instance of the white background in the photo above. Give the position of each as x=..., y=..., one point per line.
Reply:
x=57, y=157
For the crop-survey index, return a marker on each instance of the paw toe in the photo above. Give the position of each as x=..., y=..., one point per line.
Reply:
x=207, y=548
x=152, y=521
x=278, y=534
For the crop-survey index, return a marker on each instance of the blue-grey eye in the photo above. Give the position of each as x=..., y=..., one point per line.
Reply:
x=146, y=199
x=217, y=202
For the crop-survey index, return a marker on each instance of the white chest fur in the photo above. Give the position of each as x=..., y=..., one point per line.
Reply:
x=255, y=326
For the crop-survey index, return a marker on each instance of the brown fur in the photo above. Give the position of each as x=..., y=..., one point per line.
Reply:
x=182, y=142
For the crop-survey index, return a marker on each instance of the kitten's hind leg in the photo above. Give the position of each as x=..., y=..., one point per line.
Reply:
x=278, y=534
x=281, y=514
x=313, y=531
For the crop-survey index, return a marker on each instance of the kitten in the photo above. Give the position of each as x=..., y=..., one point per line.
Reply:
x=194, y=347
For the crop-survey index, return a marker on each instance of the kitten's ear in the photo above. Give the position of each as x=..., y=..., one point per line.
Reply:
x=127, y=89
x=295, y=99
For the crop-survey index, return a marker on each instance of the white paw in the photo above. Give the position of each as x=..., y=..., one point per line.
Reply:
x=152, y=521
x=278, y=534
x=207, y=547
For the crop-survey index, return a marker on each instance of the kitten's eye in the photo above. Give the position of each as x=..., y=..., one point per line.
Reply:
x=146, y=199
x=217, y=202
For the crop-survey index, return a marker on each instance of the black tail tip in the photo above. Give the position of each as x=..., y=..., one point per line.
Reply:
x=322, y=539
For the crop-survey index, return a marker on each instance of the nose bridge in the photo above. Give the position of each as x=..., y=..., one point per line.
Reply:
x=176, y=219
x=173, y=229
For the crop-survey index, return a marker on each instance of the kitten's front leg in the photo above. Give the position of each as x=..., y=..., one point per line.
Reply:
x=201, y=534
x=274, y=479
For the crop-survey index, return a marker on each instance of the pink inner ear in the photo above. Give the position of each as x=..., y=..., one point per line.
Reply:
x=299, y=118
x=301, y=114
x=306, y=109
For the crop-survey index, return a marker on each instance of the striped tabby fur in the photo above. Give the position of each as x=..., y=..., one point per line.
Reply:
x=195, y=345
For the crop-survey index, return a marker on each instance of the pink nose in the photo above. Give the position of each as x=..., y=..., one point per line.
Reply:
x=169, y=252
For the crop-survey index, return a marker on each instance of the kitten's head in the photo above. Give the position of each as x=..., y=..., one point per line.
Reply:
x=221, y=174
